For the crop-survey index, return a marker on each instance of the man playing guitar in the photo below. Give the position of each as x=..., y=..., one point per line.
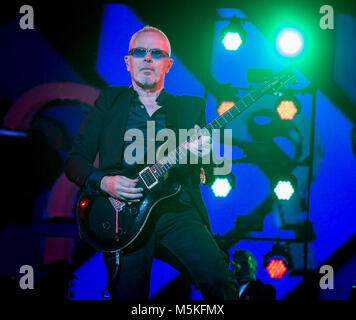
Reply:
x=181, y=233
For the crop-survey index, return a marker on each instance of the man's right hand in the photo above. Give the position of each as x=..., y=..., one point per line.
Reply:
x=121, y=187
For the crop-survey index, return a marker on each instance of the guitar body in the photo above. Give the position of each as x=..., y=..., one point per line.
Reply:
x=110, y=230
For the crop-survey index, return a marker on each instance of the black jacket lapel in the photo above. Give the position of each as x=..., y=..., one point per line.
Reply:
x=117, y=120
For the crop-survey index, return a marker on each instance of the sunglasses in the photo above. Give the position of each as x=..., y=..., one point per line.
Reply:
x=155, y=53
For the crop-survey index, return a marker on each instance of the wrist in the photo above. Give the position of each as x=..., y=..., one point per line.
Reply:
x=103, y=183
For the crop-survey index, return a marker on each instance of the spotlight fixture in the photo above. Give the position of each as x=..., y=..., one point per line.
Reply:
x=222, y=185
x=290, y=42
x=226, y=97
x=225, y=106
x=287, y=105
x=234, y=34
x=284, y=187
x=277, y=261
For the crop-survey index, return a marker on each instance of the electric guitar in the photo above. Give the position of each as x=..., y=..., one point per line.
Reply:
x=112, y=225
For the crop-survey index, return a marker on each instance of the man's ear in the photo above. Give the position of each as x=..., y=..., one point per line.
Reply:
x=127, y=63
x=169, y=65
x=252, y=264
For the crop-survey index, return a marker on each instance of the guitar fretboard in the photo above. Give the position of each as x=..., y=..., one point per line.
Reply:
x=175, y=157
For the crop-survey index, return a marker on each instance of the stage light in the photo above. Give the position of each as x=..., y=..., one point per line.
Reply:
x=232, y=41
x=221, y=187
x=83, y=203
x=290, y=42
x=284, y=190
x=276, y=268
x=284, y=186
x=286, y=110
x=287, y=106
x=225, y=106
x=277, y=261
x=226, y=97
x=233, y=35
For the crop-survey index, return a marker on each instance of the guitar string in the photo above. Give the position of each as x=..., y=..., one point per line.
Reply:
x=162, y=166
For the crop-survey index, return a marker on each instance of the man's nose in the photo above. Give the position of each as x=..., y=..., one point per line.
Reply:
x=148, y=56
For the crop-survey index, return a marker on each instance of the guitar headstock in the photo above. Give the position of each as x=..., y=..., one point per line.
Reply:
x=278, y=81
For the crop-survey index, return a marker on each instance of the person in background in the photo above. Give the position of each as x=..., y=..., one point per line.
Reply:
x=245, y=267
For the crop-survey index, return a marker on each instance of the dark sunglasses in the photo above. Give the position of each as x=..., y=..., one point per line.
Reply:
x=155, y=53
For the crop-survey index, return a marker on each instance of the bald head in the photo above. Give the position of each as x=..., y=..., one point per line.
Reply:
x=155, y=32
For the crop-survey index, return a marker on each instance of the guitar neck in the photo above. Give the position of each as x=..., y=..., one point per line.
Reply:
x=235, y=110
x=150, y=175
x=176, y=156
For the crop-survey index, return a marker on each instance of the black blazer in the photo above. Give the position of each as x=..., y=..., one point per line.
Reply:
x=259, y=291
x=103, y=131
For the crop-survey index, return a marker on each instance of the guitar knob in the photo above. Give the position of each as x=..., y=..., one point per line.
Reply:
x=133, y=210
x=119, y=234
x=106, y=225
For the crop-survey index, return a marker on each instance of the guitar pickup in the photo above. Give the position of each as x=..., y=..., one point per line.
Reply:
x=148, y=178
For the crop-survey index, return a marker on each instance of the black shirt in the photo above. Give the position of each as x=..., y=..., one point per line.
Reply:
x=136, y=131
x=140, y=121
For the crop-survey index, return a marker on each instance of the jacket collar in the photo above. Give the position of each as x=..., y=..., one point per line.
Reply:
x=167, y=101
x=163, y=99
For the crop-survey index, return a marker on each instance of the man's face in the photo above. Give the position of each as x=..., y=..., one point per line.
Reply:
x=246, y=270
x=146, y=71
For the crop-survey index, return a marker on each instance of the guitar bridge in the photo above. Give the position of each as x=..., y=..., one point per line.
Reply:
x=148, y=178
x=117, y=204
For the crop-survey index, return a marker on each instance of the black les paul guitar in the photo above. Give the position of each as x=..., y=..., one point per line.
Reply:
x=111, y=225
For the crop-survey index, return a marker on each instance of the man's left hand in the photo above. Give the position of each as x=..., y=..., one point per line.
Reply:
x=200, y=147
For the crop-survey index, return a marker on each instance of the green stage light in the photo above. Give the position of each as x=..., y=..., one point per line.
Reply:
x=290, y=42
x=232, y=41
x=284, y=190
x=221, y=187
x=234, y=34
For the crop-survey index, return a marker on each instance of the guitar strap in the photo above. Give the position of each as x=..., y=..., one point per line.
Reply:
x=118, y=205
